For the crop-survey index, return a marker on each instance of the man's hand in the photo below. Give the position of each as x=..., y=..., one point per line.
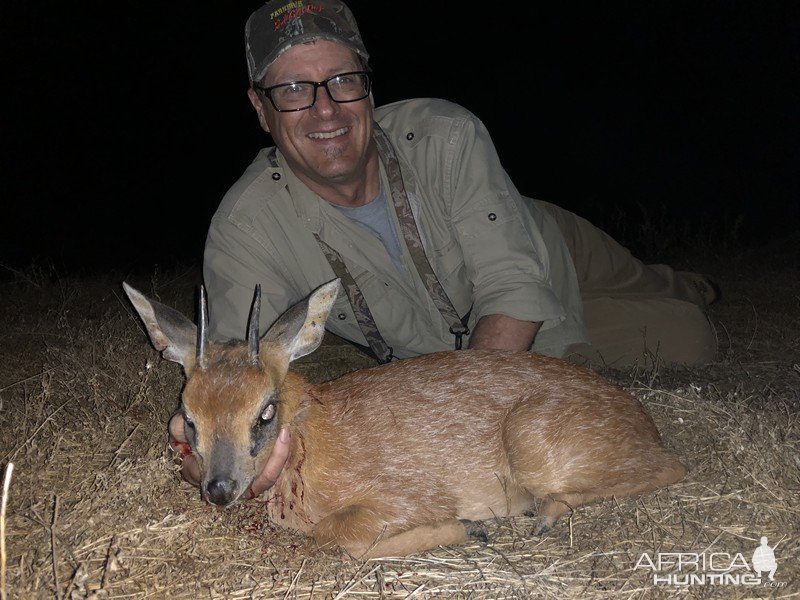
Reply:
x=275, y=463
x=190, y=469
x=500, y=332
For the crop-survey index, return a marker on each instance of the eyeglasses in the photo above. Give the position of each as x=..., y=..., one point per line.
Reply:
x=300, y=95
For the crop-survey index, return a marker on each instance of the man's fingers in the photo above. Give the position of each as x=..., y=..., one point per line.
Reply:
x=190, y=470
x=176, y=428
x=275, y=463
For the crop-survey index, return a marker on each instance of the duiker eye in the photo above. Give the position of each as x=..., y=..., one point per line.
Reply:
x=268, y=413
x=188, y=421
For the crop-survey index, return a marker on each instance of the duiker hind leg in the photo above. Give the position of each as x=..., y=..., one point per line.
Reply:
x=363, y=533
x=555, y=506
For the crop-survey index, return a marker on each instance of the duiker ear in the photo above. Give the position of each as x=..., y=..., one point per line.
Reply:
x=172, y=334
x=299, y=331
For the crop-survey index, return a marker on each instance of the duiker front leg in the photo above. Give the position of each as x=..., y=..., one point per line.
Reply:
x=364, y=533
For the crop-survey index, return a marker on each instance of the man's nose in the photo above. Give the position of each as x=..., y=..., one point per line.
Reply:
x=324, y=104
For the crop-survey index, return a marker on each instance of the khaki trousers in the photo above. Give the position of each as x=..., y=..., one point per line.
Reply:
x=635, y=313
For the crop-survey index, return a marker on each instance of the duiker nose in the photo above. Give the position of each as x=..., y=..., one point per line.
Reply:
x=220, y=491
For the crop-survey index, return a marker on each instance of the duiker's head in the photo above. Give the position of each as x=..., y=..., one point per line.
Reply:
x=231, y=398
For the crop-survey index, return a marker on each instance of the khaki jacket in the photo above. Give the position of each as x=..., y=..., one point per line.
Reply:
x=491, y=248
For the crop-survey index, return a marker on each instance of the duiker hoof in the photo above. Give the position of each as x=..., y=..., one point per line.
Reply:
x=542, y=526
x=475, y=530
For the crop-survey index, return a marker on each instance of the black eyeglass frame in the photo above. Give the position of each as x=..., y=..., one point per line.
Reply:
x=267, y=91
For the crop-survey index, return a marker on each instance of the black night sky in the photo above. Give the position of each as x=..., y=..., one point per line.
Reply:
x=124, y=123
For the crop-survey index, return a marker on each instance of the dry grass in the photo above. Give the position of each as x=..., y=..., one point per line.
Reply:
x=95, y=509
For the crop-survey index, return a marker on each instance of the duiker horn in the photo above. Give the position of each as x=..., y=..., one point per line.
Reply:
x=252, y=330
x=202, y=327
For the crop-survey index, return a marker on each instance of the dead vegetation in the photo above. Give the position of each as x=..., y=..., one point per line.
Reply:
x=95, y=509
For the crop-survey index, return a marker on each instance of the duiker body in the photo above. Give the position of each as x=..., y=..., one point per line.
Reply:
x=406, y=456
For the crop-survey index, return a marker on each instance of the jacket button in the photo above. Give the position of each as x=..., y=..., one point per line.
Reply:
x=342, y=316
x=492, y=217
x=410, y=136
x=276, y=176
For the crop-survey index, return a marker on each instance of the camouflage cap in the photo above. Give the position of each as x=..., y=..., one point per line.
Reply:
x=280, y=24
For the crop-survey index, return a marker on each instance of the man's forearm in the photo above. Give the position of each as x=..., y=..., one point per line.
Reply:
x=500, y=332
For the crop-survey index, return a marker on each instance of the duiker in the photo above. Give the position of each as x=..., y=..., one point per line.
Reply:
x=406, y=456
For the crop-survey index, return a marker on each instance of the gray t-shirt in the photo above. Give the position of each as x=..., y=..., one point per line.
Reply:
x=374, y=215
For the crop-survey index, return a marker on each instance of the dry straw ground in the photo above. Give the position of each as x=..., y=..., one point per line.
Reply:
x=95, y=509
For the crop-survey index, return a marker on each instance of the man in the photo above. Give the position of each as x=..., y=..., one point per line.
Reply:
x=409, y=205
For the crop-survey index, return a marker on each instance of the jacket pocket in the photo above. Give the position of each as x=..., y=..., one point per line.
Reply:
x=491, y=217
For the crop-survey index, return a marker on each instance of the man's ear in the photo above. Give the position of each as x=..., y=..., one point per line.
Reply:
x=255, y=100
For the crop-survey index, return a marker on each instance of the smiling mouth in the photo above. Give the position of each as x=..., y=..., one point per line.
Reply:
x=328, y=135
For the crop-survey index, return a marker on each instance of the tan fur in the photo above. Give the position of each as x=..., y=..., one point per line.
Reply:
x=457, y=435
x=391, y=460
